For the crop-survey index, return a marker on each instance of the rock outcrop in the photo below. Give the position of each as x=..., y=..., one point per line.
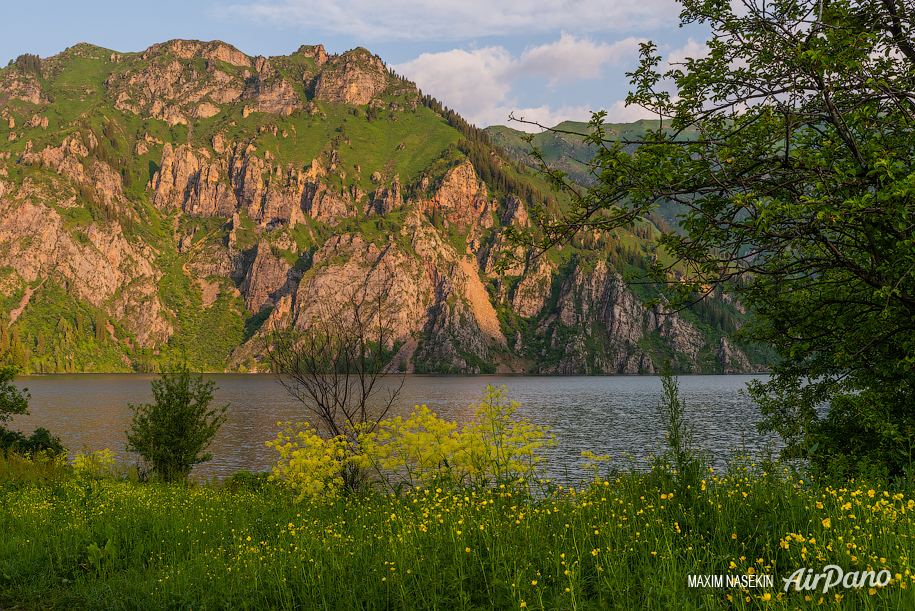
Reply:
x=269, y=279
x=97, y=265
x=354, y=78
x=272, y=93
x=462, y=198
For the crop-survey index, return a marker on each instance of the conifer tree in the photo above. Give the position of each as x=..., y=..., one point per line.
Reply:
x=4, y=336
x=17, y=351
x=28, y=63
x=100, y=328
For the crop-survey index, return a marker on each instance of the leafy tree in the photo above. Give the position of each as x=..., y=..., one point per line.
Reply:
x=12, y=400
x=16, y=402
x=795, y=193
x=173, y=433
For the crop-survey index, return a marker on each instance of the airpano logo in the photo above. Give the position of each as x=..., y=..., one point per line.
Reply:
x=833, y=575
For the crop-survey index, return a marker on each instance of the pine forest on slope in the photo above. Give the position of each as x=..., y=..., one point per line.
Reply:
x=176, y=203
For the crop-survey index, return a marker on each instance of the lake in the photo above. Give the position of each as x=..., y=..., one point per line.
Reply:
x=603, y=414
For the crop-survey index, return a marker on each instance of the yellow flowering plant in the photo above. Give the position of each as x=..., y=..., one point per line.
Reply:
x=94, y=464
x=314, y=466
x=493, y=448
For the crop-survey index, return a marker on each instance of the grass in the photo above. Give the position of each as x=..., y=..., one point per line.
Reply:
x=626, y=541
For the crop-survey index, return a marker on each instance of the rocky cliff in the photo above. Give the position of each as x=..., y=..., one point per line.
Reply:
x=179, y=202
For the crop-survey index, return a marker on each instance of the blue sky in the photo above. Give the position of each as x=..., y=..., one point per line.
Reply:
x=547, y=60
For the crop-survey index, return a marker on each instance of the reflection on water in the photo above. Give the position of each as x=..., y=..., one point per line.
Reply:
x=607, y=415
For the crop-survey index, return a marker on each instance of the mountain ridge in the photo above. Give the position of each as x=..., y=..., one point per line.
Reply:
x=177, y=202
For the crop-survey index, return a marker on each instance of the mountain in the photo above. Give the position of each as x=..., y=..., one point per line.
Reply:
x=178, y=202
x=563, y=146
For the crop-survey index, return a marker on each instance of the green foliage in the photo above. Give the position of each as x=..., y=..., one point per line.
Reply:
x=689, y=464
x=245, y=481
x=254, y=323
x=565, y=147
x=94, y=465
x=21, y=470
x=803, y=207
x=28, y=63
x=54, y=341
x=12, y=400
x=40, y=443
x=172, y=433
x=205, y=336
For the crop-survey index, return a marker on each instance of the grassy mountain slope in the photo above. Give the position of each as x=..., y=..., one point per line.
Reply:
x=175, y=203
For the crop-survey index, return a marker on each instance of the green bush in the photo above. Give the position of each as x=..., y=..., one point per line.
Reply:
x=870, y=434
x=12, y=402
x=41, y=441
x=173, y=433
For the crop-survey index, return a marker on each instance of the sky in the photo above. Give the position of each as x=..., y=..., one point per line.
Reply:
x=544, y=60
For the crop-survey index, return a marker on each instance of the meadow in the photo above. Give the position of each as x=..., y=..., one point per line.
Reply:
x=83, y=536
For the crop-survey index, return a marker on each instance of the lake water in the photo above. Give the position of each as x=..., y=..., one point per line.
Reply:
x=606, y=414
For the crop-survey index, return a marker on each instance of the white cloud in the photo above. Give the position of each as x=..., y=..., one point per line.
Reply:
x=466, y=80
x=571, y=58
x=692, y=49
x=620, y=113
x=480, y=83
x=370, y=20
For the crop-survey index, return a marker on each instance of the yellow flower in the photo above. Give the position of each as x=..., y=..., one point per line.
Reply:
x=533, y=583
x=827, y=523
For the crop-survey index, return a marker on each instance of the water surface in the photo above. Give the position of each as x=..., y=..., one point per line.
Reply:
x=603, y=414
